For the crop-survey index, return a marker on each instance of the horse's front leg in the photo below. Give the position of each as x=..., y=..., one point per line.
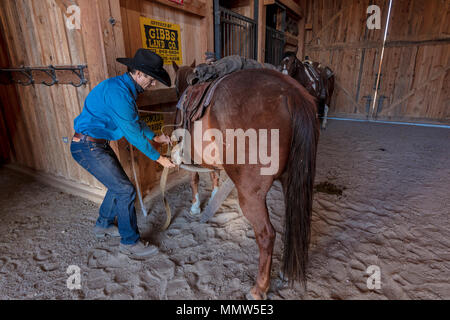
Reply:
x=195, y=208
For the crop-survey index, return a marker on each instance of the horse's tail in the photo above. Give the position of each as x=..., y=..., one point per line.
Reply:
x=299, y=186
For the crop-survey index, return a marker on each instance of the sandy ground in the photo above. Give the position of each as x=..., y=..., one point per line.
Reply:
x=393, y=213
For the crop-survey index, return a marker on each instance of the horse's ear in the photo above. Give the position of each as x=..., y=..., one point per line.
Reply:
x=175, y=66
x=193, y=64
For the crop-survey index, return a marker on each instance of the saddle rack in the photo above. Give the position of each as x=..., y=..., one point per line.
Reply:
x=48, y=76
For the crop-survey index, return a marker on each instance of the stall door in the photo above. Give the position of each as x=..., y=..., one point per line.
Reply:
x=235, y=33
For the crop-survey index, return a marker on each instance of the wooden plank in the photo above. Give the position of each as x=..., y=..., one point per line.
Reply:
x=208, y=26
x=74, y=97
x=50, y=95
x=293, y=41
x=156, y=97
x=39, y=120
x=261, y=32
x=93, y=41
x=192, y=6
x=11, y=108
x=17, y=122
x=294, y=7
x=5, y=145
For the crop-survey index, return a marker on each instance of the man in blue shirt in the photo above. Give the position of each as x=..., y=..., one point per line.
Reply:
x=110, y=113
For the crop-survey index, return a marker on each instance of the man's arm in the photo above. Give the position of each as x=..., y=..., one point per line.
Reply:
x=147, y=131
x=124, y=115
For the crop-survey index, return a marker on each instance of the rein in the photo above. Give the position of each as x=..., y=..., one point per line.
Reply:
x=165, y=173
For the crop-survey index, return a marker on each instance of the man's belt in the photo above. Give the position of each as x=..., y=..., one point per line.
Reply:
x=88, y=138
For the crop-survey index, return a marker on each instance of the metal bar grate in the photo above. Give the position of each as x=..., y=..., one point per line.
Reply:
x=237, y=34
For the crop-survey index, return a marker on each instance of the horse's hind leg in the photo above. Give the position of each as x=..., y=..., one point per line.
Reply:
x=215, y=175
x=252, y=200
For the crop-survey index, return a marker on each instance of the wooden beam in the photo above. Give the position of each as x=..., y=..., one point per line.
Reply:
x=93, y=41
x=294, y=7
x=155, y=97
x=261, y=32
x=377, y=44
x=269, y=2
x=192, y=6
x=292, y=40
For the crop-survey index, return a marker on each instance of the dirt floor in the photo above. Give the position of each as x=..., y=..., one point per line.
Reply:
x=382, y=198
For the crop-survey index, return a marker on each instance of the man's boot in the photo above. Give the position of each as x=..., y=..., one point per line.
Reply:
x=111, y=231
x=139, y=249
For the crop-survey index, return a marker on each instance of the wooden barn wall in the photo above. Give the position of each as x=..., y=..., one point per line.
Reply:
x=194, y=31
x=415, y=67
x=9, y=102
x=36, y=35
x=416, y=64
x=337, y=37
x=39, y=117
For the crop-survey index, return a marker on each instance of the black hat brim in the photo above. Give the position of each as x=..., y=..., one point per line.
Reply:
x=159, y=74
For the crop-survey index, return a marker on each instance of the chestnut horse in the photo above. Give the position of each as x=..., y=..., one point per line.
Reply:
x=317, y=79
x=259, y=99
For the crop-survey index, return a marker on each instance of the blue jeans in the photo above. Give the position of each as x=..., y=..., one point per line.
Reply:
x=101, y=161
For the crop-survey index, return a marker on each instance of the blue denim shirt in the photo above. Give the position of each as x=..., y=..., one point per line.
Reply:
x=110, y=112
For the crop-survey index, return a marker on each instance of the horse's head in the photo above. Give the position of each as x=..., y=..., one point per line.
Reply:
x=182, y=74
x=290, y=63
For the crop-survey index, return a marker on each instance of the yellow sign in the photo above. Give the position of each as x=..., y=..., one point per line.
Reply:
x=163, y=38
x=154, y=122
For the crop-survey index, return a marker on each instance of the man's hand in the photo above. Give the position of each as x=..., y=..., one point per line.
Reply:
x=165, y=162
x=163, y=139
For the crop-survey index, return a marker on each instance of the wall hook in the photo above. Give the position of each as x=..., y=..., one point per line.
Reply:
x=27, y=72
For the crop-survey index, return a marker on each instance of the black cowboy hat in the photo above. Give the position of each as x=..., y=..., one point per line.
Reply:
x=149, y=63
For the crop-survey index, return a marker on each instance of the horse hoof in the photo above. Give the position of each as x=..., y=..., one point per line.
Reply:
x=194, y=214
x=255, y=296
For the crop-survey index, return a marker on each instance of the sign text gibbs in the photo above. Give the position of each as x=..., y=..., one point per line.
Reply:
x=163, y=38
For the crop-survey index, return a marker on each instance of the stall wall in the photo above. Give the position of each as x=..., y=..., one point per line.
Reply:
x=40, y=117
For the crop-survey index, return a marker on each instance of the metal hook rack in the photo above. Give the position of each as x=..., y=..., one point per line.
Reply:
x=51, y=70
